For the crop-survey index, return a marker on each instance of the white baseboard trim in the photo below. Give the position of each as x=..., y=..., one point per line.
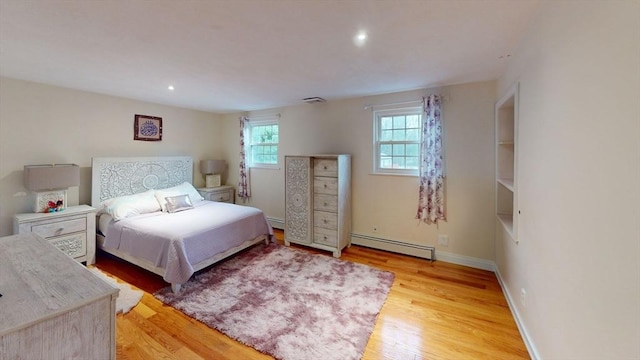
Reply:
x=466, y=261
x=533, y=352
x=276, y=223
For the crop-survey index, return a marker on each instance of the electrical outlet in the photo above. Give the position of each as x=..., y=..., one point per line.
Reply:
x=443, y=240
x=523, y=297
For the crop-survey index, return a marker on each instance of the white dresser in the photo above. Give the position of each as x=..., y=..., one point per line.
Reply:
x=51, y=306
x=318, y=201
x=72, y=230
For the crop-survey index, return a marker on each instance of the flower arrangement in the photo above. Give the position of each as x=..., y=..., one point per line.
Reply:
x=54, y=206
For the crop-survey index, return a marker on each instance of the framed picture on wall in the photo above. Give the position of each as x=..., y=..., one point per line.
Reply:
x=147, y=128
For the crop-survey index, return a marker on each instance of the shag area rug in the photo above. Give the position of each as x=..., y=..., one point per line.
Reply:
x=287, y=303
x=127, y=297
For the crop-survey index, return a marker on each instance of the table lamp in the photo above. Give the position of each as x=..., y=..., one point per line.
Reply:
x=50, y=183
x=212, y=171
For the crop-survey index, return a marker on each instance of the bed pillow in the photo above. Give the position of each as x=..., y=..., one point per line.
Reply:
x=178, y=203
x=129, y=205
x=183, y=189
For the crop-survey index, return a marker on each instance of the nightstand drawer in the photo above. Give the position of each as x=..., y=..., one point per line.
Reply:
x=219, y=196
x=57, y=228
x=73, y=245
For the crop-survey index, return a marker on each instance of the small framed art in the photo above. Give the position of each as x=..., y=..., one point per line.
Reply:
x=147, y=128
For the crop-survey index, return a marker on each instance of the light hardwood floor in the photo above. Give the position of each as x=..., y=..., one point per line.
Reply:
x=433, y=311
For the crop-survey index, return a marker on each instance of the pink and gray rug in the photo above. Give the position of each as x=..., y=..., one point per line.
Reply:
x=288, y=303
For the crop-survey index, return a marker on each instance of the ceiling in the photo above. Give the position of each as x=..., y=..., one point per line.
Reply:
x=225, y=56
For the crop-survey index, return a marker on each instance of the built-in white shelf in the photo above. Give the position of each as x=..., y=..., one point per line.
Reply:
x=506, y=161
x=507, y=221
x=508, y=183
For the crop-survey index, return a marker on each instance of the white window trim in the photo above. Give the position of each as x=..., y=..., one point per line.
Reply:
x=377, y=114
x=263, y=121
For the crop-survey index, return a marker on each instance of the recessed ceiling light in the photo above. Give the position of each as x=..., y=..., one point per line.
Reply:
x=170, y=87
x=360, y=38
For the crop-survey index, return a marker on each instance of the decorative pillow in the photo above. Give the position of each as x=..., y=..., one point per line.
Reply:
x=124, y=206
x=178, y=203
x=182, y=189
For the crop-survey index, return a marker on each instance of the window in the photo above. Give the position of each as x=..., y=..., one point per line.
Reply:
x=263, y=143
x=397, y=141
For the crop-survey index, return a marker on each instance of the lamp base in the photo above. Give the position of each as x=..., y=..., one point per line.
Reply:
x=43, y=198
x=212, y=180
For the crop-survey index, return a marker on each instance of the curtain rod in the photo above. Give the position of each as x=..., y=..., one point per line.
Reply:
x=371, y=106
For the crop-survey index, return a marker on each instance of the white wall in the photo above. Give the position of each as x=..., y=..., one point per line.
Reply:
x=579, y=182
x=390, y=202
x=46, y=124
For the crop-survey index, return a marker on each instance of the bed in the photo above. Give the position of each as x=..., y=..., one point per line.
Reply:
x=151, y=216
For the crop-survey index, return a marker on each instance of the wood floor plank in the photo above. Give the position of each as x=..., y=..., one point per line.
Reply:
x=434, y=310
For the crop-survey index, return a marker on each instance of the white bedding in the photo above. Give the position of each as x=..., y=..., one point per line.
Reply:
x=177, y=241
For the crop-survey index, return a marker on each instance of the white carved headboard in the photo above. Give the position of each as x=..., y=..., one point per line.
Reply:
x=119, y=176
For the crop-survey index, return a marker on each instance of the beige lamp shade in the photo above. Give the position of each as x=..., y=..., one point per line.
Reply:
x=51, y=177
x=212, y=170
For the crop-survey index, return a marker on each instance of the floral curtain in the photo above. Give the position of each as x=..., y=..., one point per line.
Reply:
x=431, y=193
x=244, y=191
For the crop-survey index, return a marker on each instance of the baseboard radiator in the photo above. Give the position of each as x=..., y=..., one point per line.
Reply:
x=426, y=252
x=276, y=223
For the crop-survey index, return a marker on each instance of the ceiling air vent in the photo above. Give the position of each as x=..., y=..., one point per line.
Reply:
x=313, y=100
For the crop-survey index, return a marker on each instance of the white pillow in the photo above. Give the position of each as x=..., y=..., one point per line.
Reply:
x=182, y=189
x=130, y=205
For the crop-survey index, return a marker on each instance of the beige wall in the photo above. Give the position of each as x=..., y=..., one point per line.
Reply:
x=579, y=182
x=47, y=124
x=389, y=202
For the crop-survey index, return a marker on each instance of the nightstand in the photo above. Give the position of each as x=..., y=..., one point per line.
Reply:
x=224, y=193
x=72, y=230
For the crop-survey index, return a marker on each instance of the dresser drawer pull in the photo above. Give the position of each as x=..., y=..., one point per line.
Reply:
x=325, y=186
x=325, y=238
x=324, y=221
x=325, y=167
x=221, y=198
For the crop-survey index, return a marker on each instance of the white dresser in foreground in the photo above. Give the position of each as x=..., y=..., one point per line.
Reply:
x=51, y=306
x=72, y=230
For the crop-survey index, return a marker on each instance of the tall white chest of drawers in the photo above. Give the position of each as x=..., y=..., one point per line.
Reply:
x=318, y=201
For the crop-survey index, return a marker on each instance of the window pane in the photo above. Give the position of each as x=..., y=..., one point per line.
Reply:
x=398, y=162
x=386, y=162
x=398, y=149
x=413, y=134
x=413, y=121
x=386, y=123
x=385, y=149
x=398, y=135
x=412, y=162
x=398, y=122
x=386, y=135
x=413, y=149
